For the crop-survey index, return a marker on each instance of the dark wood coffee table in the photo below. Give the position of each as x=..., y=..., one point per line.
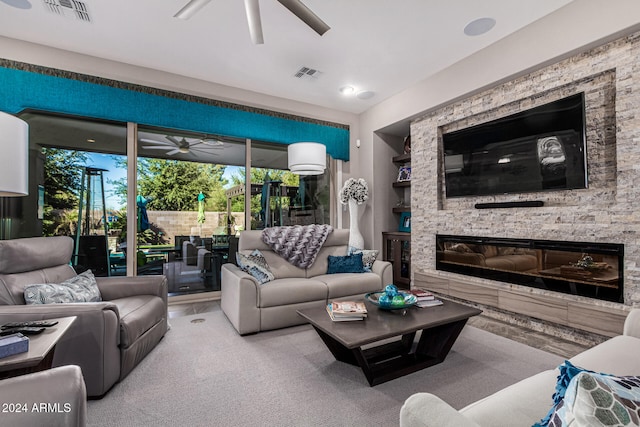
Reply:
x=440, y=328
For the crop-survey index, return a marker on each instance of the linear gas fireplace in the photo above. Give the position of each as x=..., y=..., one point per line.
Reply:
x=579, y=268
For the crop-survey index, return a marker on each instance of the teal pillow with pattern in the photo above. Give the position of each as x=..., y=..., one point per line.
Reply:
x=596, y=400
x=256, y=265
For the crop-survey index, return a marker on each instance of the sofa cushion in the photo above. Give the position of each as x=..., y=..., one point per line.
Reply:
x=291, y=291
x=345, y=264
x=368, y=257
x=80, y=288
x=346, y=284
x=256, y=265
x=138, y=314
x=599, y=400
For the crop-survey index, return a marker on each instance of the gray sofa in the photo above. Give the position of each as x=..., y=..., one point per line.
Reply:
x=526, y=402
x=252, y=307
x=61, y=389
x=109, y=338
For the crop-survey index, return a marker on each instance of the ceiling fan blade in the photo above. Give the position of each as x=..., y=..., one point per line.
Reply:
x=253, y=19
x=172, y=152
x=305, y=15
x=158, y=147
x=173, y=139
x=190, y=9
x=153, y=141
x=201, y=151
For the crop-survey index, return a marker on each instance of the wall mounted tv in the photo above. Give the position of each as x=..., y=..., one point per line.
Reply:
x=539, y=149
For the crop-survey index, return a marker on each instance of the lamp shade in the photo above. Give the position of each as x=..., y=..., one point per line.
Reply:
x=14, y=156
x=307, y=158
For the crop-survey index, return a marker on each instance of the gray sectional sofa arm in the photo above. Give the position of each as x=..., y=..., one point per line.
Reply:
x=240, y=302
x=632, y=324
x=61, y=388
x=428, y=410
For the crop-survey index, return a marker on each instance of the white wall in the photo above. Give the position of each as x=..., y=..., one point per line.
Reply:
x=578, y=26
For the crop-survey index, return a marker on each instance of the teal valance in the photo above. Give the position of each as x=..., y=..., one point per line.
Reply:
x=63, y=92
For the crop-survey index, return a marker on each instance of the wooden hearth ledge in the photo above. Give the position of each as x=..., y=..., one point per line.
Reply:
x=575, y=312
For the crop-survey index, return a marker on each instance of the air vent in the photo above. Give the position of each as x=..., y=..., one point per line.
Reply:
x=73, y=9
x=307, y=73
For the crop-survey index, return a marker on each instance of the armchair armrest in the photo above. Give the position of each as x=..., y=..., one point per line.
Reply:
x=121, y=287
x=428, y=410
x=92, y=341
x=632, y=323
x=19, y=313
x=61, y=387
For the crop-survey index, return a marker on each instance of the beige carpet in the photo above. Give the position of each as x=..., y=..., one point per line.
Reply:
x=204, y=374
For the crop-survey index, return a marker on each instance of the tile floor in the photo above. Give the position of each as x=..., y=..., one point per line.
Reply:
x=551, y=344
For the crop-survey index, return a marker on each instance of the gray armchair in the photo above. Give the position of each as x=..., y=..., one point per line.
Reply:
x=108, y=338
x=62, y=389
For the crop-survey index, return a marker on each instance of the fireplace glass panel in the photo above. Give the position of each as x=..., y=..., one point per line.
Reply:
x=588, y=269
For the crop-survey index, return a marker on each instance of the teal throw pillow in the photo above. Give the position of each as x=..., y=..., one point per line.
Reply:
x=368, y=257
x=80, y=288
x=567, y=372
x=256, y=265
x=596, y=400
x=345, y=264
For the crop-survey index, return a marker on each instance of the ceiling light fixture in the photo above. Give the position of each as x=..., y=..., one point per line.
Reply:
x=307, y=158
x=191, y=8
x=347, y=90
x=479, y=26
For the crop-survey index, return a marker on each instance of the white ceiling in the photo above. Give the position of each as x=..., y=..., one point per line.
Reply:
x=383, y=46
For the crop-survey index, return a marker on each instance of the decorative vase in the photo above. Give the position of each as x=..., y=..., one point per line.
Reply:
x=355, y=238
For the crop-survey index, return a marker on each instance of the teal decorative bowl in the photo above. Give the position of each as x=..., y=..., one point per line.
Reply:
x=408, y=300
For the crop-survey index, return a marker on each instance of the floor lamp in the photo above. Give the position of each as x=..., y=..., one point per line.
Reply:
x=14, y=164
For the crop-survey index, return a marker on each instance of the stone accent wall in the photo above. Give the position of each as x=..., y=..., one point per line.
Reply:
x=608, y=211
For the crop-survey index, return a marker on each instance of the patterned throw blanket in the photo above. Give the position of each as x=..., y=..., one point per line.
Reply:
x=298, y=244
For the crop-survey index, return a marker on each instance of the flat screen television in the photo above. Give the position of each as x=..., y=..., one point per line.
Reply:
x=540, y=149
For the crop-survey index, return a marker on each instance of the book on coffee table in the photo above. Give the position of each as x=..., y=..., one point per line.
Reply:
x=428, y=303
x=343, y=317
x=422, y=295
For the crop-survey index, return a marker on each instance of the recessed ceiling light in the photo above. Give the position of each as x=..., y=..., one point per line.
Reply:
x=479, y=26
x=365, y=94
x=91, y=141
x=347, y=90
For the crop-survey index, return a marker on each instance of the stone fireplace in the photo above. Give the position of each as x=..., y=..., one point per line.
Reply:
x=607, y=211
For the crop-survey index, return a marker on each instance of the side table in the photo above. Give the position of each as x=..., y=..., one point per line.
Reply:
x=41, y=351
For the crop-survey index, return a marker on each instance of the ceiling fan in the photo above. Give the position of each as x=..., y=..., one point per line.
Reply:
x=252, y=9
x=175, y=145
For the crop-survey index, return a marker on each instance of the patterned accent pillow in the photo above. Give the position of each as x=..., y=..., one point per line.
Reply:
x=368, y=257
x=345, y=264
x=567, y=372
x=81, y=288
x=599, y=400
x=256, y=265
